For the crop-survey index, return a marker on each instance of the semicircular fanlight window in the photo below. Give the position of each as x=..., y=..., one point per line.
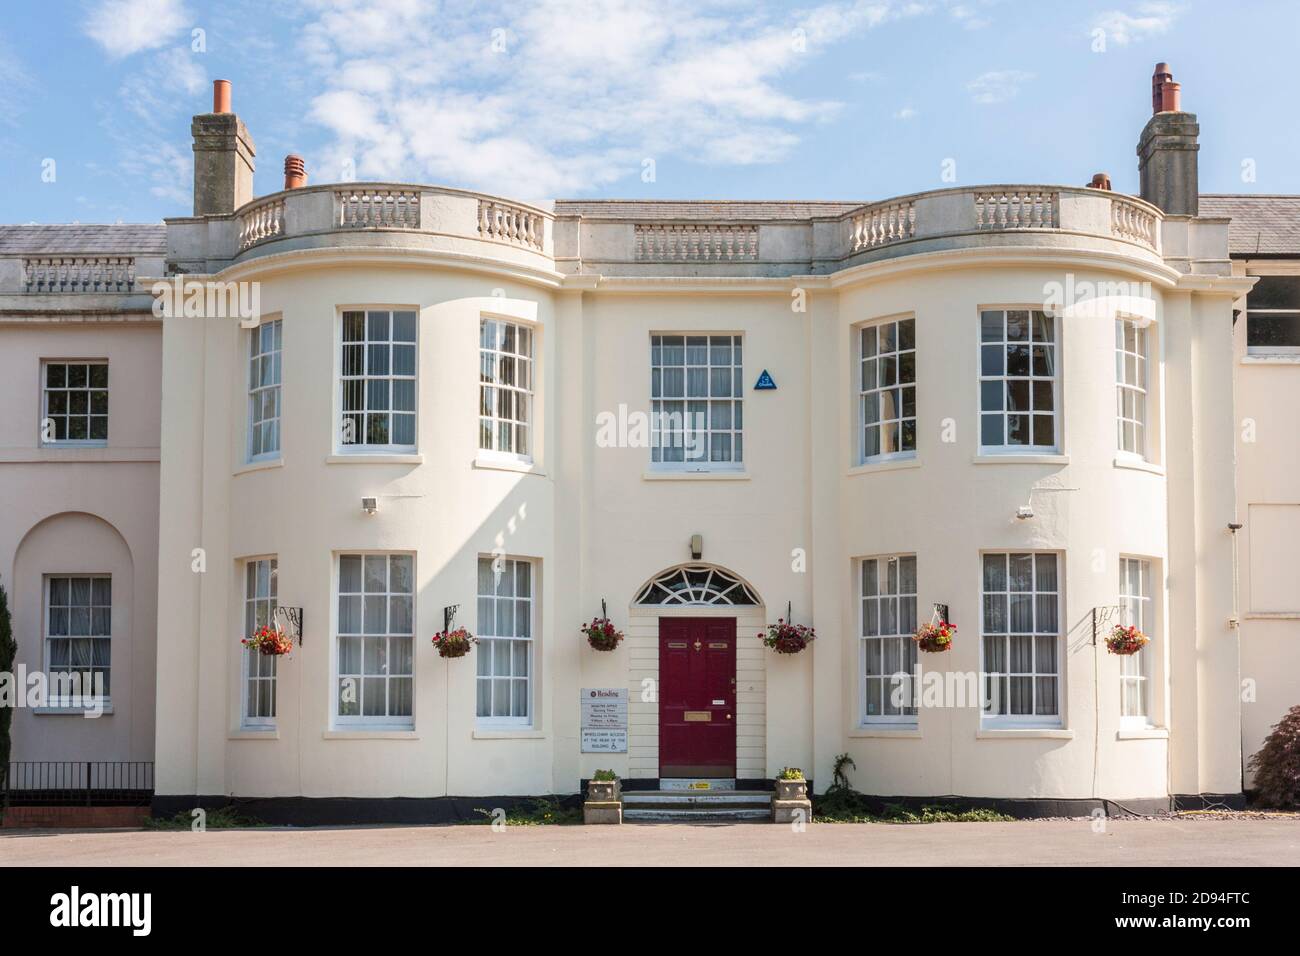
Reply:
x=697, y=584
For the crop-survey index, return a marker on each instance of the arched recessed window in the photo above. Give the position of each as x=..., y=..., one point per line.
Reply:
x=696, y=584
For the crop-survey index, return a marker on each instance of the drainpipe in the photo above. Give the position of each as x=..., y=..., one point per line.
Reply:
x=1235, y=621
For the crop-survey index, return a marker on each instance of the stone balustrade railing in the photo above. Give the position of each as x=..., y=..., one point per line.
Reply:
x=1016, y=209
x=1137, y=223
x=362, y=208
x=506, y=222
x=695, y=242
x=53, y=274
x=882, y=224
x=261, y=221
x=740, y=238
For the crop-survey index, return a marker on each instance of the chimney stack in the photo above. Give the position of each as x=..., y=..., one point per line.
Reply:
x=1167, y=149
x=295, y=172
x=223, y=157
x=1100, y=181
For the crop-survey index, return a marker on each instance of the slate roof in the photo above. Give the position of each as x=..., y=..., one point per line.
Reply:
x=75, y=239
x=1261, y=225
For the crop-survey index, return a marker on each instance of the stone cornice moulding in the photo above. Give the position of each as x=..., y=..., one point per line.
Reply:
x=397, y=256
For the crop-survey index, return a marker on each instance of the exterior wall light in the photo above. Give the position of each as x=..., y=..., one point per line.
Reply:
x=697, y=546
x=369, y=505
x=1024, y=512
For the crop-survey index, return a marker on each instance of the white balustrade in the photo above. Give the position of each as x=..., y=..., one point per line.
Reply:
x=692, y=242
x=377, y=208
x=1015, y=209
x=79, y=274
x=504, y=222
x=262, y=222
x=1136, y=223
x=880, y=225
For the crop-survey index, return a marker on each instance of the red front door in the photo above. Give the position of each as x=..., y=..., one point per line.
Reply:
x=697, y=697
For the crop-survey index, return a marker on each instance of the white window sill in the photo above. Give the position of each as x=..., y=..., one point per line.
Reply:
x=86, y=711
x=695, y=476
x=523, y=466
x=901, y=731
x=889, y=464
x=376, y=458
x=506, y=733
x=1266, y=358
x=254, y=733
x=1273, y=615
x=260, y=465
x=1024, y=733
x=1142, y=733
x=1138, y=464
x=360, y=734
x=1017, y=458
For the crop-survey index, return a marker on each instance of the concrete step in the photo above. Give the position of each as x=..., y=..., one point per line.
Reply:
x=728, y=815
x=678, y=806
x=693, y=798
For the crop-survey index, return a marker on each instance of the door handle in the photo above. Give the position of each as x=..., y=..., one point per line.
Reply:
x=728, y=716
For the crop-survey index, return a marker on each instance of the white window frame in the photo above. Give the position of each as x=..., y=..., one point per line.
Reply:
x=51, y=669
x=525, y=363
x=1138, y=609
x=258, y=359
x=1009, y=720
x=46, y=390
x=490, y=643
x=735, y=400
x=342, y=378
x=361, y=721
x=250, y=655
x=1136, y=385
x=1004, y=378
x=1275, y=351
x=880, y=391
x=901, y=634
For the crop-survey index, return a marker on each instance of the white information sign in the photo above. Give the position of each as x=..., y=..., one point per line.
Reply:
x=604, y=720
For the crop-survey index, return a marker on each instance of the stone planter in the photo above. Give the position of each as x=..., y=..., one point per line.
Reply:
x=604, y=803
x=790, y=804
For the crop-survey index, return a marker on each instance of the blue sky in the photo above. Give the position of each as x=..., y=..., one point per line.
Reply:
x=729, y=98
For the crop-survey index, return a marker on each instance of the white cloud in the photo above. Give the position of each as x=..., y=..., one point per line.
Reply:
x=1150, y=19
x=906, y=113
x=124, y=27
x=167, y=84
x=582, y=92
x=997, y=86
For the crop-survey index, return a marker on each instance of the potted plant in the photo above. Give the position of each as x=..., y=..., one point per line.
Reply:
x=604, y=785
x=1126, y=640
x=934, y=638
x=269, y=640
x=454, y=643
x=790, y=784
x=787, y=638
x=601, y=634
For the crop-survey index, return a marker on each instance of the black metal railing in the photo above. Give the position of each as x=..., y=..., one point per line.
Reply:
x=76, y=783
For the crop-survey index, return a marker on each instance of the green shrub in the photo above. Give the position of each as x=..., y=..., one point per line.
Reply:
x=604, y=776
x=1277, y=765
x=8, y=651
x=537, y=812
x=789, y=773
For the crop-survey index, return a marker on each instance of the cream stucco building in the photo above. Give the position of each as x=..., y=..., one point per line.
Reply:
x=1013, y=404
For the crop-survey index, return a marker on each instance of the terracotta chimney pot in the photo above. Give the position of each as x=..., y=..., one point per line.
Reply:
x=1170, y=97
x=295, y=172
x=1100, y=181
x=221, y=96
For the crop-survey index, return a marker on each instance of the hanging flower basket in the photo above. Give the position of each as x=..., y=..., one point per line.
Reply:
x=601, y=634
x=934, y=638
x=269, y=641
x=1126, y=640
x=454, y=643
x=785, y=638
